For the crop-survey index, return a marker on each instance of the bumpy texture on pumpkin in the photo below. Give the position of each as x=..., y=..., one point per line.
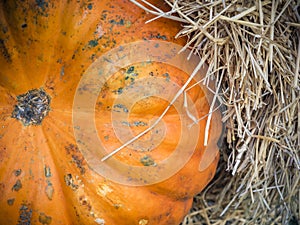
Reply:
x=44, y=178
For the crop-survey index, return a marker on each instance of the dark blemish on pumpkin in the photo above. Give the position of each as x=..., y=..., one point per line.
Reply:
x=130, y=70
x=17, y=172
x=4, y=51
x=158, y=36
x=107, y=60
x=49, y=84
x=24, y=25
x=147, y=161
x=139, y=123
x=121, y=106
x=42, y=4
x=156, y=45
x=93, y=56
x=93, y=43
x=167, y=76
x=47, y=171
x=90, y=6
x=84, y=202
x=32, y=107
x=117, y=206
x=44, y=219
x=25, y=214
x=78, y=160
x=115, y=22
x=163, y=37
x=76, y=212
x=114, y=42
x=99, y=104
x=74, y=54
x=130, y=74
x=17, y=186
x=70, y=182
x=62, y=71
x=10, y=201
x=104, y=15
x=106, y=137
x=119, y=91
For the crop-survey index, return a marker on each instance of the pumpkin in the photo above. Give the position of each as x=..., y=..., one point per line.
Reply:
x=55, y=62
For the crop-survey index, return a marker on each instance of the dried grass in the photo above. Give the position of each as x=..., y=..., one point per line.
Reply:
x=253, y=49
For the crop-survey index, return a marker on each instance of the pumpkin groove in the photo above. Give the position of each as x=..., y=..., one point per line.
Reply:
x=49, y=45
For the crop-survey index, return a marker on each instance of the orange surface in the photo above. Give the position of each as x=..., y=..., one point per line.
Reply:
x=43, y=175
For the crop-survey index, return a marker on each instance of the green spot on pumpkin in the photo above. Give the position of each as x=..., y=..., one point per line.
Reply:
x=42, y=4
x=17, y=186
x=93, y=43
x=167, y=76
x=147, y=161
x=90, y=6
x=130, y=70
x=25, y=213
x=17, y=172
x=47, y=171
x=10, y=201
x=44, y=219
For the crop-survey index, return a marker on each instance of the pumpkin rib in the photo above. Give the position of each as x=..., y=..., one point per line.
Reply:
x=31, y=156
x=57, y=205
x=57, y=153
x=18, y=42
x=110, y=202
x=29, y=49
x=7, y=101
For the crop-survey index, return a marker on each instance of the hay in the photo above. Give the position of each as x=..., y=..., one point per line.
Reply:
x=253, y=51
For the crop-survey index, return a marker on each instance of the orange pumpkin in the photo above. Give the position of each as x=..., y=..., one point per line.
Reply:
x=52, y=56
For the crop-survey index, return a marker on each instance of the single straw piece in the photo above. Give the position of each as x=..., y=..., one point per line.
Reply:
x=202, y=61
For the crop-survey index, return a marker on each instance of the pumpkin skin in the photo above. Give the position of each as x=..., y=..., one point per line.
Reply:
x=44, y=177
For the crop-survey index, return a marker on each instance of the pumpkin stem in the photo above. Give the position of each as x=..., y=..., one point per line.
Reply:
x=32, y=107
